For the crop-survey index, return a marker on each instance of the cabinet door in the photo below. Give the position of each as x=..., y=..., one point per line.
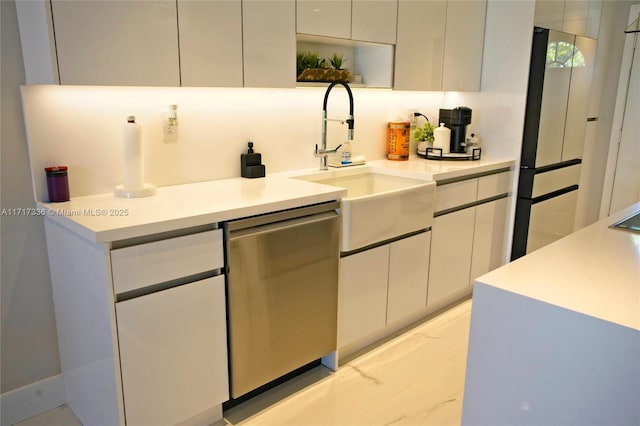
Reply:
x=451, y=245
x=131, y=43
x=463, y=45
x=374, y=20
x=210, y=43
x=420, y=45
x=408, y=276
x=173, y=352
x=269, y=43
x=324, y=18
x=549, y=14
x=362, y=303
x=490, y=237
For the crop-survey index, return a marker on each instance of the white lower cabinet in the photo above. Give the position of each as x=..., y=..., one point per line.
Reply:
x=408, y=276
x=362, y=296
x=382, y=285
x=489, y=240
x=451, y=249
x=173, y=353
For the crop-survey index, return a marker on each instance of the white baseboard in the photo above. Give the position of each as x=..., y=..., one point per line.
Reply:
x=28, y=401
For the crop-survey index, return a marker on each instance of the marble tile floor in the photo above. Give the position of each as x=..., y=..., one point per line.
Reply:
x=416, y=378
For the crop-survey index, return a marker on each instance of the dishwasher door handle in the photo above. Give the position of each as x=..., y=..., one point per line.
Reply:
x=279, y=226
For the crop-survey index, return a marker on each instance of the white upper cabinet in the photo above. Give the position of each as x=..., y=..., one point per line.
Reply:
x=269, y=43
x=117, y=42
x=362, y=20
x=330, y=18
x=420, y=47
x=443, y=53
x=463, y=45
x=580, y=17
x=210, y=43
x=374, y=20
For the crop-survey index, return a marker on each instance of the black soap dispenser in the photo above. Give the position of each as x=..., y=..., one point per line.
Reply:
x=251, y=163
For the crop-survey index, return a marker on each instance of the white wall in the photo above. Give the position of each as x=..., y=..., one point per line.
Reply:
x=29, y=341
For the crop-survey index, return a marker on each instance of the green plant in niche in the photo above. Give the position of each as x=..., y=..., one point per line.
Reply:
x=337, y=61
x=424, y=132
x=308, y=60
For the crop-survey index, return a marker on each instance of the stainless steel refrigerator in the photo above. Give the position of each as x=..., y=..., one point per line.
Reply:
x=555, y=127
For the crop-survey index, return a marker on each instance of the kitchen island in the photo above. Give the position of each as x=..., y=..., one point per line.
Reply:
x=555, y=335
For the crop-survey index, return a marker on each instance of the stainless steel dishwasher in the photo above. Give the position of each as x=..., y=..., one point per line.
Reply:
x=282, y=293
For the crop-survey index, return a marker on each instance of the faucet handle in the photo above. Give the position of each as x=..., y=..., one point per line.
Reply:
x=325, y=152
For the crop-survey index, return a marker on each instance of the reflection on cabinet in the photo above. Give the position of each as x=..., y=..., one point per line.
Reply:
x=580, y=17
x=489, y=238
x=269, y=43
x=446, y=54
x=210, y=43
x=142, y=52
x=381, y=286
x=173, y=352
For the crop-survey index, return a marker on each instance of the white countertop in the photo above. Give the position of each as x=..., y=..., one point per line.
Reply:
x=595, y=271
x=104, y=218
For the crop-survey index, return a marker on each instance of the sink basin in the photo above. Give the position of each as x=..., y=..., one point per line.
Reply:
x=379, y=205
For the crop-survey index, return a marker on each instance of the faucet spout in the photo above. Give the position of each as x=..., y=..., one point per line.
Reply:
x=323, y=151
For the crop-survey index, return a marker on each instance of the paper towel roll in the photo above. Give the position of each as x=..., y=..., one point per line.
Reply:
x=133, y=177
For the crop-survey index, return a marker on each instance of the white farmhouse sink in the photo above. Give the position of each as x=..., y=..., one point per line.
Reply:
x=379, y=205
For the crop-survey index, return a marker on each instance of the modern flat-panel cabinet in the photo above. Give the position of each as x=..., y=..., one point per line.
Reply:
x=469, y=234
x=269, y=43
x=324, y=18
x=210, y=43
x=141, y=326
x=173, y=352
x=446, y=54
x=374, y=20
x=362, y=20
x=451, y=249
x=463, y=45
x=420, y=47
x=381, y=286
x=117, y=42
x=580, y=17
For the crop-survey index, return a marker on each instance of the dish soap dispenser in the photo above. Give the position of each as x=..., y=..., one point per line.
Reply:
x=345, y=153
x=251, y=163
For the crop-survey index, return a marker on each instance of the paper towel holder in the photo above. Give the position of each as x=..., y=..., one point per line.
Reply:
x=134, y=185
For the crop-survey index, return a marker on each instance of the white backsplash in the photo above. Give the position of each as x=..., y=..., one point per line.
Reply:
x=82, y=127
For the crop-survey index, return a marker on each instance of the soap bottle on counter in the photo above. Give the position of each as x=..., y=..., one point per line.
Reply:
x=345, y=153
x=251, y=163
x=441, y=139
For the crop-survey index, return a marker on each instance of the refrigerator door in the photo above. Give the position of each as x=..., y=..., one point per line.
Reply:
x=551, y=220
x=577, y=108
x=555, y=95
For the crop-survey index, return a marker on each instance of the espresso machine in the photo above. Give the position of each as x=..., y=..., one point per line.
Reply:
x=457, y=119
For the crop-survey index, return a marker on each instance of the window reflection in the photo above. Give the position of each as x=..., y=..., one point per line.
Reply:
x=564, y=55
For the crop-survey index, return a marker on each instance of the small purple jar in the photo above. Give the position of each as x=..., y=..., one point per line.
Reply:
x=57, y=183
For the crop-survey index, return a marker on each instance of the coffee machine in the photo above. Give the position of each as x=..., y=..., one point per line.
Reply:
x=457, y=119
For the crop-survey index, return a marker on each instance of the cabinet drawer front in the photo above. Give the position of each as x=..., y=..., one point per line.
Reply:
x=555, y=180
x=492, y=185
x=173, y=352
x=456, y=194
x=160, y=261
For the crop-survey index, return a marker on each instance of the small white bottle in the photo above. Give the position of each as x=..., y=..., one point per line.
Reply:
x=345, y=153
x=441, y=139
